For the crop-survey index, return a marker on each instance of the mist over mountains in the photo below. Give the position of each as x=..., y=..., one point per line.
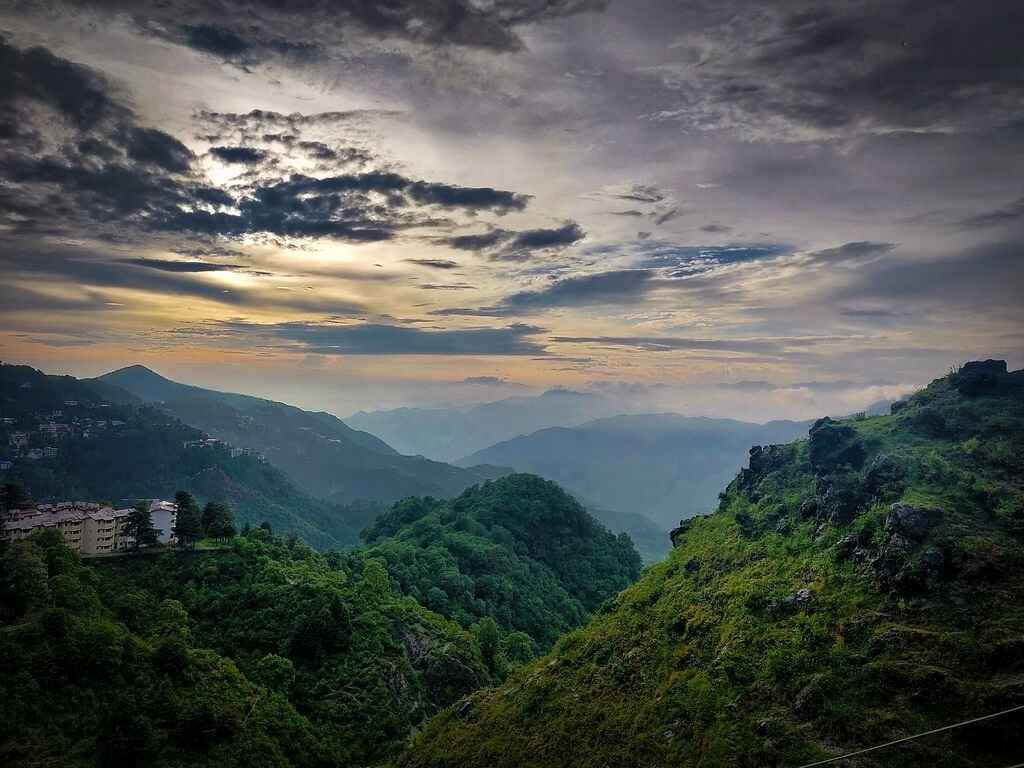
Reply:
x=450, y=434
x=665, y=466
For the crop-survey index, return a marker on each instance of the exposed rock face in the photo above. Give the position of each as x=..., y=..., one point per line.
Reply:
x=980, y=375
x=833, y=445
x=683, y=527
x=883, y=476
x=766, y=458
x=912, y=522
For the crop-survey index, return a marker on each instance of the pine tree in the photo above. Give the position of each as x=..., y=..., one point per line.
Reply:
x=140, y=526
x=187, y=526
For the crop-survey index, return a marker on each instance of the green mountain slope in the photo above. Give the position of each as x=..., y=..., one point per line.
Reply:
x=264, y=655
x=518, y=550
x=141, y=452
x=317, y=451
x=855, y=588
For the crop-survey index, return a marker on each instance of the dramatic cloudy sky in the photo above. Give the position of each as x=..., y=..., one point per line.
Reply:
x=746, y=207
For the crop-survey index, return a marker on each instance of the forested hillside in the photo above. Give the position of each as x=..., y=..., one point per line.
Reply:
x=851, y=589
x=267, y=654
x=112, y=447
x=518, y=550
x=318, y=452
x=270, y=653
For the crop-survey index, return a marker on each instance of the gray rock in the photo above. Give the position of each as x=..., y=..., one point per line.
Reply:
x=911, y=522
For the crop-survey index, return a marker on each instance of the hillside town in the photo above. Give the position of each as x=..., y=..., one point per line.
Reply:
x=40, y=435
x=89, y=528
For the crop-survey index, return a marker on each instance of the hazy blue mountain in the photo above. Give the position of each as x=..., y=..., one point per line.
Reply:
x=664, y=466
x=447, y=434
x=319, y=452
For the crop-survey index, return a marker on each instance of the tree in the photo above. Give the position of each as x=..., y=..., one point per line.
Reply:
x=13, y=496
x=140, y=526
x=187, y=526
x=218, y=520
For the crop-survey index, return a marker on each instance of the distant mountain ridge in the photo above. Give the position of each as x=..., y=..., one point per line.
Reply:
x=318, y=451
x=663, y=466
x=448, y=434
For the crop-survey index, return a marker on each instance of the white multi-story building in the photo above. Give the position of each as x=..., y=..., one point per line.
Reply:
x=88, y=528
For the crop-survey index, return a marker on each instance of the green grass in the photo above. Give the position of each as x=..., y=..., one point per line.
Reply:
x=703, y=662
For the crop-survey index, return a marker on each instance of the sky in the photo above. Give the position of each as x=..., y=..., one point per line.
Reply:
x=742, y=208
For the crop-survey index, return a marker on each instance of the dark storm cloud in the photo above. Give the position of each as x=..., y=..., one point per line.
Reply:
x=246, y=32
x=117, y=173
x=666, y=216
x=1008, y=214
x=152, y=146
x=434, y=263
x=73, y=91
x=642, y=193
x=242, y=155
x=503, y=245
x=532, y=239
x=850, y=68
x=380, y=339
x=479, y=242
x=167, y=265
x=216, y=40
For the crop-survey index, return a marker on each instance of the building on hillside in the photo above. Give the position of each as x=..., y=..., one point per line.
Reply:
x=18, y=439
x=6, y=464
x=165, y=516
x=89, y=528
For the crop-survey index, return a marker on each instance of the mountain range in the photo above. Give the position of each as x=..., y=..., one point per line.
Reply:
x=850, y=591
x=664, y=466
x=318, y=451
x=448, y=434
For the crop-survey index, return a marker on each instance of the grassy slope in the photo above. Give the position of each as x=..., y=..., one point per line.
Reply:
x=712, y=659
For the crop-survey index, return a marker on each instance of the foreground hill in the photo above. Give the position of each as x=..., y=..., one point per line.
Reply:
x=518, y=550
x=262, y=655
x=114, y=447
x=851, y=589
x=664, y=466
x=318, y=452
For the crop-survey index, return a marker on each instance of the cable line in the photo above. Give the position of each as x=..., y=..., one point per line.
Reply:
x=918, y=736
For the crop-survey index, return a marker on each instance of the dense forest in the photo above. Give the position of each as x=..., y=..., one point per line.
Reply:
x=518, y=550
x=851, y=589
x=266, y=654
x=269, y=651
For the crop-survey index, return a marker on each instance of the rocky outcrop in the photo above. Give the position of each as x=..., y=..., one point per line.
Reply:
x=833, y=445
x=977, y=377
x=911, y=522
